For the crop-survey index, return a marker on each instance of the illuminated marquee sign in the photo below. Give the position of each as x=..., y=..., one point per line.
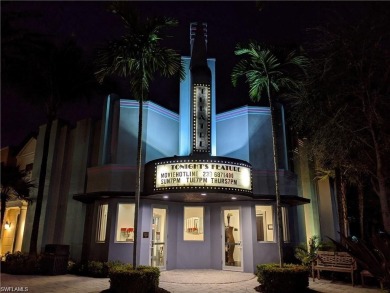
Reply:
x=191, y=174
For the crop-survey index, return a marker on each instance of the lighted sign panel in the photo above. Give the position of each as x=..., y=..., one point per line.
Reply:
x=201, y=118
x=203, y=174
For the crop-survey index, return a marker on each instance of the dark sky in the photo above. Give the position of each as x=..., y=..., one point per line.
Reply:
x=228, y=24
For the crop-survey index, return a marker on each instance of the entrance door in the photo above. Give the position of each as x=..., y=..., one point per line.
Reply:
x=159, y=235
x=232, y=251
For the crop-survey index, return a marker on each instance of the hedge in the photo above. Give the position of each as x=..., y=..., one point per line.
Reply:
x=288, y=279
x=20, y=263
x=124, y=279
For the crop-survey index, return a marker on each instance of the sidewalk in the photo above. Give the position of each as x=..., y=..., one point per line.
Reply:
x=175, y=281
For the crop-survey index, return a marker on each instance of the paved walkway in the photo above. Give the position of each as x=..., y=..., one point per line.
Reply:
x=174, y=281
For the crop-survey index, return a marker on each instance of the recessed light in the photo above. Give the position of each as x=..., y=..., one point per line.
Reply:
x=203, y=194
x=234, y=197
x=165, y=196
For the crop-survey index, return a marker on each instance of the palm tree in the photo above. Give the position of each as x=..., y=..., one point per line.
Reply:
x=14, y=185
x=266, y=72
x=138, y=56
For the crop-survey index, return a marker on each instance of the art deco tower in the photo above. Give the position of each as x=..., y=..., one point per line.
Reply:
x=200, y=91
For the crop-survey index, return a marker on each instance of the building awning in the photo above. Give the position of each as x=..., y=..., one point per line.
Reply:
x=195, y=197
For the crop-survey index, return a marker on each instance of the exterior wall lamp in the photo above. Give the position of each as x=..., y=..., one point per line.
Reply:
x=7, y=226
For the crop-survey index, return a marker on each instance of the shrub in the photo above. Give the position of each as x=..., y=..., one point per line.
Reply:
x=125, y=279
x=78, y=268
x=20, y=263
x=113, y=264
x=95, y=269
x=306, y=253
x=289, y=278
x=72, y=267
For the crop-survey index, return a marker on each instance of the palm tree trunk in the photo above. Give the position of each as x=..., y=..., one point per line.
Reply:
x=277, y=192
x=338, y=199
x=361, y=209
x=41, y=187
x=381, y=189
x=138, y=181
x=341, y=202
x=384, y=201
x=344, y=205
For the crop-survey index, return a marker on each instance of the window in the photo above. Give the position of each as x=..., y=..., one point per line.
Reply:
x=264, y=223
x=286, y=234
x=101, y=222
x=193, y=224
x=125, y=222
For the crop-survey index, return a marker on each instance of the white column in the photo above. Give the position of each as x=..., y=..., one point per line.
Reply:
x=20, y=229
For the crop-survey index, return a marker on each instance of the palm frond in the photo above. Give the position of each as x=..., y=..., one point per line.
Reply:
x=15, y=184
x=239, y=70
x=267, y=72
x=322, y=174
x=138, y=55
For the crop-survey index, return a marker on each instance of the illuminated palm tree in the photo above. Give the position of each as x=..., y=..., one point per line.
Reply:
x=138, y=56
x=268, y=73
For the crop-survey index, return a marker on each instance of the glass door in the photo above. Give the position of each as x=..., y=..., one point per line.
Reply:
x=159, y=232
x=231, y=239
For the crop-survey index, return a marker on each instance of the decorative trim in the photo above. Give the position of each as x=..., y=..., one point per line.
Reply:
x=242, y=111
x=151, y=106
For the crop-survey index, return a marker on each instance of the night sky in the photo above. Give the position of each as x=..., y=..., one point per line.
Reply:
x=228, y=22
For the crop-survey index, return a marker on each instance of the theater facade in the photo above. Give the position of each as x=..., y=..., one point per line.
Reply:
x=207, y=199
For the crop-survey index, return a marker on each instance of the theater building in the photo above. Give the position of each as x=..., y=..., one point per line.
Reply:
x=207, y=199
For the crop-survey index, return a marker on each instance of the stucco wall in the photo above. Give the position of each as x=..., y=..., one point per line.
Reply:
x=160, y=132
x=245, y=133
x=55, y=132
x=78, y=161
x=232, y=138
x=160, y=139
x=62, y=218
